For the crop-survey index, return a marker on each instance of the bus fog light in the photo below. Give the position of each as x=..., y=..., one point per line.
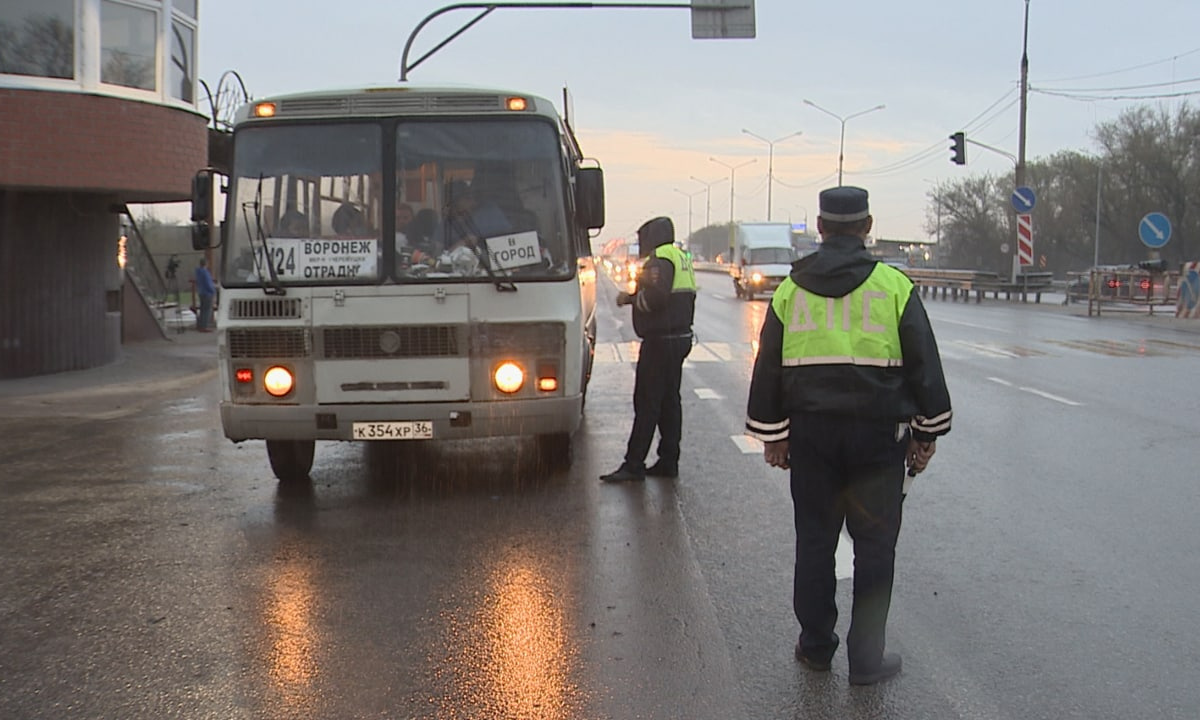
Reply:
x=278, y=381
x=509, y=377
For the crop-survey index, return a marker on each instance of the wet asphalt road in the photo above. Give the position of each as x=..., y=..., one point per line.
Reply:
x=1047, y=566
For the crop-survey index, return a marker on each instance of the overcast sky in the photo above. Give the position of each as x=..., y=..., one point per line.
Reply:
x=652, y=105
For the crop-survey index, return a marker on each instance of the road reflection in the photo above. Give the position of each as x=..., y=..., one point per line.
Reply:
x=291, y=635
x=511, y=656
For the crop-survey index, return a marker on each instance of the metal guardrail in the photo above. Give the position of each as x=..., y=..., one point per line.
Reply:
x=952, y=284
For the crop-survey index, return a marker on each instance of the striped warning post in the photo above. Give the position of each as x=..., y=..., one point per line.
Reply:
x=1025, y=239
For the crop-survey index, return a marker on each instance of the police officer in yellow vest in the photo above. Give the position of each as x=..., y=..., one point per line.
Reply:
x=664, y=305
x=847, y=389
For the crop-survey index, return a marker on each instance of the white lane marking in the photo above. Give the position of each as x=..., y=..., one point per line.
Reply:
x=721, y=350
x=1050, y=396
x=973, y=325
x=987, y=349
x=1035, y=391
x=747, y=444
x=700, y=353
x=707, y=394
x=843, y=556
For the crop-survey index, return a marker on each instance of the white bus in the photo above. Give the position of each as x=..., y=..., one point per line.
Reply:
x=403, y=263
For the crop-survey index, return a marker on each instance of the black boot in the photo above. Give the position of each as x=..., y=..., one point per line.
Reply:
x=624, y=474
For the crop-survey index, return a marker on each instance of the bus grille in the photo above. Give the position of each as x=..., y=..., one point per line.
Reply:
x=392, y=342
x=269, y=343
x=498, y=339
x=264, y=308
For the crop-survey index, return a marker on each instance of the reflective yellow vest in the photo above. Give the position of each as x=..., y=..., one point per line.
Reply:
x=862, y=328
x=685, y=276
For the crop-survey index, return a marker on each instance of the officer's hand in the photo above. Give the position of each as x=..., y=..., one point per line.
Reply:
x=776, y=454
x=624, y=298
x=919, y=455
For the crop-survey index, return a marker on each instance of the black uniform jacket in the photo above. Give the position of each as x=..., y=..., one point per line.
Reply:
x=914, y=393
x=658, y=312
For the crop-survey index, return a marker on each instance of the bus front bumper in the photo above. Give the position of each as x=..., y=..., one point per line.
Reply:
x=450, y=421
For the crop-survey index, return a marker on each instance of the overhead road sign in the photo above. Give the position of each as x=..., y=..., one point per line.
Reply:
x=1154, y=230
x=716, y=19
x=710, y=19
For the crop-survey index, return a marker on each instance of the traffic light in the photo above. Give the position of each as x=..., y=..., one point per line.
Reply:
x=959, y=148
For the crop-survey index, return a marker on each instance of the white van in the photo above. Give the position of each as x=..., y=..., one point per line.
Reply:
x=762, y=257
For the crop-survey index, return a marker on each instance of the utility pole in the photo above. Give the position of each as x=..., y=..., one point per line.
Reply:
x=689, y=196
x=1020, y=172
x=732, y=169
x=707, y=197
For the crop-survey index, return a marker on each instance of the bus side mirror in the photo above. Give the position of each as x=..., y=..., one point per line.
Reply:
x=202, y=197
x=200, y=236
x=589, y=197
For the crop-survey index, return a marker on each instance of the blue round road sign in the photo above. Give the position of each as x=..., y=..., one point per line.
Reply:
x=1154, y=230
x=1023, y=199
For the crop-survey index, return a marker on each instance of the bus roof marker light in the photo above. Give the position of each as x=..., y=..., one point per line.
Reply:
x=516, y=103
x=264, y=109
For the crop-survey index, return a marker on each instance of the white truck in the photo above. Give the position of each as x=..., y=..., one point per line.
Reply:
x=762, y=257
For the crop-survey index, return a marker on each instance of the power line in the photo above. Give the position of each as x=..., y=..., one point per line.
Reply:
x=1170, y=83
x=1128, y=69
x=1097, y=98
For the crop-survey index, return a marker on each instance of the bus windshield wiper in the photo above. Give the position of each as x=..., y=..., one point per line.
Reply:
x=256, y=232
x=502, y=284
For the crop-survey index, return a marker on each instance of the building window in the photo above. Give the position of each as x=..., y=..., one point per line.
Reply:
x=181, y=77
x=186, y=7
x=37, y=37
x=128, y=44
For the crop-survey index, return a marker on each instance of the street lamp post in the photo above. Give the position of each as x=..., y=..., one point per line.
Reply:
x=732, y=169
x=689, y=196
x=770, y=161
x=707, y=197
x=842, y=120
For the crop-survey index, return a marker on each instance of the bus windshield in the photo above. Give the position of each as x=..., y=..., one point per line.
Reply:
x=459, y=201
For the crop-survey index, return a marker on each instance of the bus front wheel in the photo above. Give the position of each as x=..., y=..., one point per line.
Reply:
x=291, y=459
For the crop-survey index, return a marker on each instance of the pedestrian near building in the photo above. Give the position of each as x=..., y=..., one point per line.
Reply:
x=206, y=290
x=664, y=305
x=847, y=389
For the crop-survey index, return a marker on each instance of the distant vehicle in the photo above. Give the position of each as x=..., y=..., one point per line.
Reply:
x=762, y=257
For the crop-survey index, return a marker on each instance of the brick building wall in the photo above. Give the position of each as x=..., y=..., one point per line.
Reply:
x=74, y=141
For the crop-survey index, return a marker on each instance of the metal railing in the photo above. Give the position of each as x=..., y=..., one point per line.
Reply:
x=141, y=268
x=1123, y=289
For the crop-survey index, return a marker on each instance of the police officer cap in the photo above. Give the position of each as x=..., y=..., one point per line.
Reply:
x=844, y=204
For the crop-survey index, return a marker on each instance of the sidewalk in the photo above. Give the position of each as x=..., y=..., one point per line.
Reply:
x=141, y=370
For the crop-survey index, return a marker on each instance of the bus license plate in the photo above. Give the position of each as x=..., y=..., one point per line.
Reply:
x=414, y=430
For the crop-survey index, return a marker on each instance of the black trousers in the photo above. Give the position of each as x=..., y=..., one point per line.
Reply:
x=656, y=401
x=851, y=470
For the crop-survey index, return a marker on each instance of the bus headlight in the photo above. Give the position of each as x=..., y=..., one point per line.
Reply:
x=756, y=278
x=508, y=377
x=278, y=381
